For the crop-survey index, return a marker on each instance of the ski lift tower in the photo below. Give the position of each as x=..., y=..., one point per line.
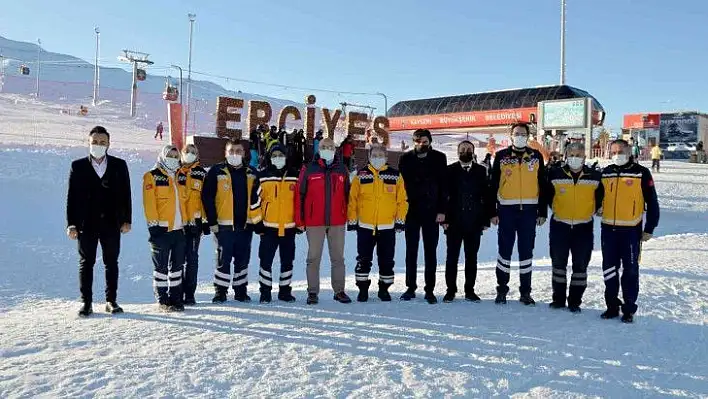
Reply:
x=135, y=57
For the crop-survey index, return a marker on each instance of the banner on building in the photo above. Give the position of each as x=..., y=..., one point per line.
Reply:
x=679, y=128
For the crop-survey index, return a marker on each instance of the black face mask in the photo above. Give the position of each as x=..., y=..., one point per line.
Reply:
x=466, y=157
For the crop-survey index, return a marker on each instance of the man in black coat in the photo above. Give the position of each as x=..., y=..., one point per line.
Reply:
x=423, y=170
x=467, y=215
x=98, y=210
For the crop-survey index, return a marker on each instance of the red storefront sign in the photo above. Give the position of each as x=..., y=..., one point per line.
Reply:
x=641, y=121
x=462, y=119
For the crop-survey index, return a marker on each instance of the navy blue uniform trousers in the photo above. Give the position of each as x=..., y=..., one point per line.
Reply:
x=270, y=243
x=515, y=223
x=621, y=246
x=385, y=243
x=232, y=246
x=576, y=241
x=168, y=260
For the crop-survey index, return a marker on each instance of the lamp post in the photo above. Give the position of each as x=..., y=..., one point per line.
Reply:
x=39, y=53
x=192, y=18
x=562, y=44
x=385, y=103
x=95, y=67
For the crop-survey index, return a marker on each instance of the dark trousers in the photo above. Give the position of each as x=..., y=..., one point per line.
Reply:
x=385, y=243
x=232, y=246
x=192, y=238
x=270, y=243
x=621, y=246
x=516, y=222
x=576, y=241
x=110, y=247
x=431, y=234
x=655, y=163
x=455, y=238
x=168, y=262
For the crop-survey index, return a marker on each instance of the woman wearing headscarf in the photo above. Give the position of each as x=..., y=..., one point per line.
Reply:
x=190, y=179
x=165, y=213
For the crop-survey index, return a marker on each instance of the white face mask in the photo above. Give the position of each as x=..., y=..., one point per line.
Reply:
x=378, y=162
x=520, y=141
x=189, y=157
x=575, y=163
x=278, y=162
x=327, y=155
x=234, y=160
x=620, y=159
x=97, y=151
x=171, y=163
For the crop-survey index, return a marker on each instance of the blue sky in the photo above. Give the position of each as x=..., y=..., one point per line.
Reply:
x=633, y=55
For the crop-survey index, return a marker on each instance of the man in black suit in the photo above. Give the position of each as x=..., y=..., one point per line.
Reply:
x=467, y=215
x=98, y=210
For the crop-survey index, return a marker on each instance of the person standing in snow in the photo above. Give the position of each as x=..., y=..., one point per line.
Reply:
x=98, y=210
x=423, y=170
x=190, y=178
x=466, y=217
x=656, y=154
x=166, y=214
x=273, y=208
x=377, y=211
x=575, y=195
x=629, y=192
x=226, y=198
x=347, y=147
x=321, y=197
x=158, y=130
x=518, y=180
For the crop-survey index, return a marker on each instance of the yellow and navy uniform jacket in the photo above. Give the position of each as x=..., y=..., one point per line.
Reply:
x=226, y=196
x=629, y=192
x=377, y=199
x=519, y=178
x=574, y=197
x=273, y=199
x=191, y=180
x=161, y=195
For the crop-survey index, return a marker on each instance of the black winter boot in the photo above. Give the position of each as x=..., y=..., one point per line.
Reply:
x=384, y=296
x=501, y=295
x=363, y=290
x=286, y=294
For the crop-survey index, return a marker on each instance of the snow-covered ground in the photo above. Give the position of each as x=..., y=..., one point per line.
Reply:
x=371, y=350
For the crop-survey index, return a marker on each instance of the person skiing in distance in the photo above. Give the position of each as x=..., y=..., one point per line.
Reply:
x=226, y=197
x=321, y=199
x=377, y=211
x=190, y=178
x=629, y=192
x=575, y=195
x=273, y=208
x=159, y=129
x=518, y=180
x=166, y=213
x=98, y=210
x=466, y=217
x=423, y=170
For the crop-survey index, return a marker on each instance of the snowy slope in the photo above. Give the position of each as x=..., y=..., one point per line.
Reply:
x=332, y=350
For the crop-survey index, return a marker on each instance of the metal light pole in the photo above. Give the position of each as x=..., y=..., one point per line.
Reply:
x=385, y=103
x=95, y=66
x=191, y=17
x=181, y=92
x=2, y=71
x=562, y=49
x=39, y=53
